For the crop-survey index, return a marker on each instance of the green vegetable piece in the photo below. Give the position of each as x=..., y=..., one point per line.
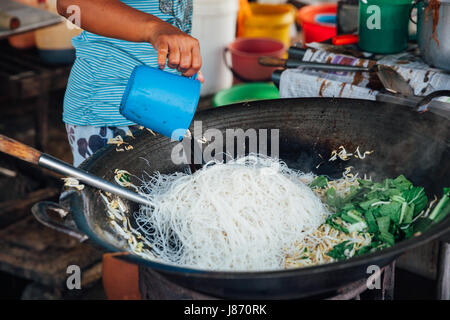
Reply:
x=375, y=211
x=407, y=213
x=409, y=232
x=416, y=196
x=365, y=183
x=348, y=219
x=125, y=178
x=398, y=198
x=354, y=192
x=338, y=251
x=367, y=204
x=333, y=199
x=391, y=210
x=357, y=227
x=371, y=222
x=442, y=209
x=356, y=215
x=336, y=225
x=383, y=224
x=376, y=244
x=363, y=250
x=389, y=193
x=402, y=183
x=421, y=225
x=388, y=183
x=387, y=238
x=395, y=216
x=348, y=207
x=375, y=195
x=319, y=182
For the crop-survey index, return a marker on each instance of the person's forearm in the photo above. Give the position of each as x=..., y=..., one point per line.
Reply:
x=112, y=18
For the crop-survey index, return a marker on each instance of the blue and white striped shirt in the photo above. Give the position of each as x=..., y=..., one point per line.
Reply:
x=103, y=65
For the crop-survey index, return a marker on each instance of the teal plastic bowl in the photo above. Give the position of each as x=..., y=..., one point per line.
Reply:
x=246, y=92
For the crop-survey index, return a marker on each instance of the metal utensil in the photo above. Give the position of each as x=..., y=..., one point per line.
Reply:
x=403, y=93
x=393, y=81
x=30, y=18
x=31, y=155
x=390, y=78
x=420, y=104
x=434, y=32
x=400, y=91
x=294, y=63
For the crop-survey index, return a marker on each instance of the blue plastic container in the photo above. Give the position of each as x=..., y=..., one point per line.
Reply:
x=161, y=101
x=326, y=18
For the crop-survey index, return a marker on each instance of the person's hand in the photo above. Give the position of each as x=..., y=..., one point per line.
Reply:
x=180, y=49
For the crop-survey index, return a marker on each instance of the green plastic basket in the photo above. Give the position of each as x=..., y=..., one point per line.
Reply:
x=246, y=92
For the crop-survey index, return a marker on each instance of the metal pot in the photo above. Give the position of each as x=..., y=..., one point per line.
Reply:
x=434, y=32
x=405, y=142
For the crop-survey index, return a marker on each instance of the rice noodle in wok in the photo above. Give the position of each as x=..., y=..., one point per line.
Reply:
x=246, y=214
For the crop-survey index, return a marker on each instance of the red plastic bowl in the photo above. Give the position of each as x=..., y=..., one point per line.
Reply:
x=312, y=30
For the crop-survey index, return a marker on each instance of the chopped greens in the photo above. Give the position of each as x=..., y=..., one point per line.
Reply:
x=389, y=211
x=340, y=251
x=383, y=224
x=442, y=209
x=333, y=199
x=336, y=225
x=319, y=182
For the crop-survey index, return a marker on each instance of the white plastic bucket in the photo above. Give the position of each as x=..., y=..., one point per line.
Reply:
x=214, y=25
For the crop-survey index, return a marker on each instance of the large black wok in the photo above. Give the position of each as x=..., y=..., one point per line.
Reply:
x=405, y=142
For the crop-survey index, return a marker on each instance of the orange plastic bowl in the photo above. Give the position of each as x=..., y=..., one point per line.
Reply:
x=314, y=31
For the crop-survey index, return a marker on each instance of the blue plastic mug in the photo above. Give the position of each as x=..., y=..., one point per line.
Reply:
x=161, y=101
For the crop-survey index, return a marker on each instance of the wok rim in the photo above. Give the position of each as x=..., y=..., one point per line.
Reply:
x=435, y=232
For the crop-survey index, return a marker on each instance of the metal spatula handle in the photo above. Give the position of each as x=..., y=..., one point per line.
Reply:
x=56, y=165
x=31, y=155
x=325, y=66
x=295, y=63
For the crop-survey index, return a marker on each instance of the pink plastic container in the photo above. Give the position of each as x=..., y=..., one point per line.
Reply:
x=245, y=53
